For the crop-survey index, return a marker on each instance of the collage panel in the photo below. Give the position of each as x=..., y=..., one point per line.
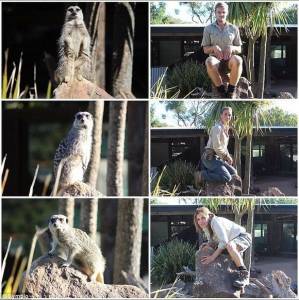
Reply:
x=77, y=149
x=75, y=50
x=224, y=248
x=224, y=50
x=223, y=148
x=68, y=248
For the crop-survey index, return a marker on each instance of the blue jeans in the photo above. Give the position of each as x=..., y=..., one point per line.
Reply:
x=217, y=170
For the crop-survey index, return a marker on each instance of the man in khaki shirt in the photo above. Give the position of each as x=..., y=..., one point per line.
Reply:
x=221, y=40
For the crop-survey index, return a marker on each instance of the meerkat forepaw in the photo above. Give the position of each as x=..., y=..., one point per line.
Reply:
x=79, y=77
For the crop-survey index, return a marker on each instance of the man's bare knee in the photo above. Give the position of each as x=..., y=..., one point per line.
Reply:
x=211, y=62
x=236, y=60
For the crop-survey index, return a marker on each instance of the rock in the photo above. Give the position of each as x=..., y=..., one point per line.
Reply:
x=214, y=280
x=279, y=284
x=83, y=89
x=243, y=88
x=273, y=191
x=47, y=280
x=219, y=189
x=273, y=285
x=78, y=189
x=285, y=95
x=232, y=188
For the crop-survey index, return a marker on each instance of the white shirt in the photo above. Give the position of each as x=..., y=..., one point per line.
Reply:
x=218, y=140
x=224, y=231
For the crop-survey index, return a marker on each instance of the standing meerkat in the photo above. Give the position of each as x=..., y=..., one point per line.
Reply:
x=77, y=247
x=73, y=153
x=74, y=48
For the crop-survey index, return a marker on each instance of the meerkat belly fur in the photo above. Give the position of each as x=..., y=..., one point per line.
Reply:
x=73, y=153
x=74, y=48
x=78, y=248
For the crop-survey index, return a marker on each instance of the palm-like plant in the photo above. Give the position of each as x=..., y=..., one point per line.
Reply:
x=255, y=18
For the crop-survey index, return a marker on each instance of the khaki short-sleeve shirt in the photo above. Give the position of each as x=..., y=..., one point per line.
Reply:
x=228, y=36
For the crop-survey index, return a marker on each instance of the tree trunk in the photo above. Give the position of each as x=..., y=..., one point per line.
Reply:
x=262, y=67
x=145, y=175
x=237, y=154
x=128, y=239
x=246, y=182
x=89, y=216
x=108, y=219
x=96, y=108
x=238, y=217
x=268, y=63
x=136, y=147
x=96, y=18
x=123, y=46
x=66, y=206
x=249, y=228
x=116, y=143
x=250, y=60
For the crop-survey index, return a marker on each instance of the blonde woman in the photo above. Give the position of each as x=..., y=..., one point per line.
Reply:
x=217, y=163
x=224, y=234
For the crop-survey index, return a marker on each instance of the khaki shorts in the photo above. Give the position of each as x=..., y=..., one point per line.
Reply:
x=243, y=241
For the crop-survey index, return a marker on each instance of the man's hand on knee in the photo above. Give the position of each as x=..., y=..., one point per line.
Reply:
x=218, y=52
x=227, y=52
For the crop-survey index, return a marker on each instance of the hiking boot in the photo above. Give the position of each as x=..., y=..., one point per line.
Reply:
x=231, y=95
x=221, y=92
x=242, y=279
x=198, y=179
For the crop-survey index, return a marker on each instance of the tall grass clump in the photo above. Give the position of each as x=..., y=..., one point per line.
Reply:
x=188, y=76
x=177, y=174
x=169, y=260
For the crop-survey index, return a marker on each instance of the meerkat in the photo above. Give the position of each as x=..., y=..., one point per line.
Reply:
x=74, y=48
x=73, y=153
x=78, y=248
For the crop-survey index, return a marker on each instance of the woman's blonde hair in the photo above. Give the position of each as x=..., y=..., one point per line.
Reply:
x=207, y=213
x=225, y=108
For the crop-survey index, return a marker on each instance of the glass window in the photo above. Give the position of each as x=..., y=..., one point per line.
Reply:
x=278, y=51
x=258, y=150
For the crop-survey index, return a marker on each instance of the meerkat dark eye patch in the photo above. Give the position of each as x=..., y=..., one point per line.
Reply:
x=79, y=117
x=78, y=9
x=52, y=220
x=61, y=219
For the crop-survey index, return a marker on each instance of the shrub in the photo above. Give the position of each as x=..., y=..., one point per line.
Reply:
x=170, y=259
x=188, y=76
x=177, y=174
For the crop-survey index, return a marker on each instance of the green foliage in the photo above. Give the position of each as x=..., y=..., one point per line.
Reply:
x=159, y=16
x=170, y=259
x=201, y=12
x=291, y=12
x=278, y=117
x=186, y=115
x=160, y=91
x=20, y=216
x=155, y=121
x=246, y=115
x=188, y=76
x=177, y=175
